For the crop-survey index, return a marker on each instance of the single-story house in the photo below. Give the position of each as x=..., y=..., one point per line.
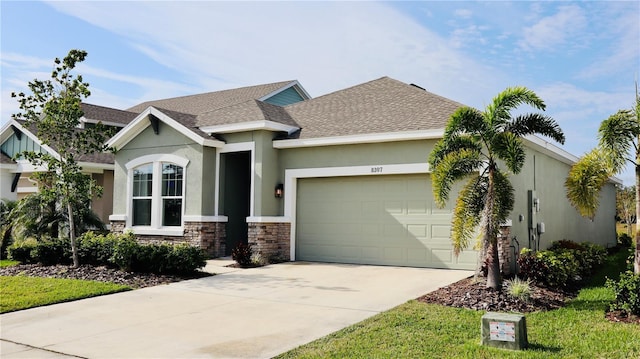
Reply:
x=338, y=178
x=15, y=173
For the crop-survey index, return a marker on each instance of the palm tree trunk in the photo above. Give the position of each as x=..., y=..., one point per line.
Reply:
x=72, y=236
x=636, y=263
x=494, y=280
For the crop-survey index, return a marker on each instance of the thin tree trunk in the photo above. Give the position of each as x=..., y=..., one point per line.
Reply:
x=636, y=263
x=494, y=279
x=72, y=236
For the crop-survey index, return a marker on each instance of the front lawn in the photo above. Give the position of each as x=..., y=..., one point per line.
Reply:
x=419, y=330
x=22, y=292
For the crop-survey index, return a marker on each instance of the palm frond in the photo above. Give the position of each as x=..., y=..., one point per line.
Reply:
x=466, y=214
x=452, y=144
x=465, y=120
x=536, y=123
x=505, y=196
x=499, y=111
x=509, y=148
x=617, y=135
x=585, y=181
x=452, y=167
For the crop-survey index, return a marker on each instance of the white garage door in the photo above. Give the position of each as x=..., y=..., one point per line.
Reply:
x=384, y=220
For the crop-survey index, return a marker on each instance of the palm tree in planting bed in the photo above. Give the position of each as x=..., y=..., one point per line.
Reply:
x=473, y=144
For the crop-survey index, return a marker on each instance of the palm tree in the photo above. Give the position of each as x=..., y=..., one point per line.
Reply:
x=619, y=141
x=473, y=143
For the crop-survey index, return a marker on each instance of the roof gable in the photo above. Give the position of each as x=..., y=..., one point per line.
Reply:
x=106, y=115
x=181, y=122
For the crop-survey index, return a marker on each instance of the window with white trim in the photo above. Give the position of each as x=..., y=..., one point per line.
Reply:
x=157, y=191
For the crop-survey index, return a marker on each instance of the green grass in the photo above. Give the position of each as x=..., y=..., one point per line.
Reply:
x=8, y=263
x=21, y=292
x=418, y=330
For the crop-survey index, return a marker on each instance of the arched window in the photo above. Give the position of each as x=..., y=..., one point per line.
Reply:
x=157, y=191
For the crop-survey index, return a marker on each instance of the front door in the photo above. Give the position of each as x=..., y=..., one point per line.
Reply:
x=236, y=196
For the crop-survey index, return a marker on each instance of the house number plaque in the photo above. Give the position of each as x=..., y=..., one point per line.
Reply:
x=377, y=169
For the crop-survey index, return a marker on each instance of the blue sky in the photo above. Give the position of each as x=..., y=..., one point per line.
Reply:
x=581, y=57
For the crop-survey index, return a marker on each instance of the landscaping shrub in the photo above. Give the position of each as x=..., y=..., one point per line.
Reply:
x=21, y=250
x=624, y=240
x=97, y=249
x=242, y=254
x=184, y=258
x=52, y=251
x=132, y=256
x=627, y=293
x=565, y=263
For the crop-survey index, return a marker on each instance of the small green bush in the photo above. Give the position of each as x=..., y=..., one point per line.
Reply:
x=565, y=263
x=625, y=240
x=627, y=293
x=21, y=250
x=242, y=254
x=97, y=249
x=52, y=251
x=125, y=253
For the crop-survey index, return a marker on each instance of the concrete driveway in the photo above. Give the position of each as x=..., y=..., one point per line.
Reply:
x=243, y=313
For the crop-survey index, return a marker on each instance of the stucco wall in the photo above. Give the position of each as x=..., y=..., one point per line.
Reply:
x=546, y=176
x=103, y=206
x=168, y=141
x=6, y=179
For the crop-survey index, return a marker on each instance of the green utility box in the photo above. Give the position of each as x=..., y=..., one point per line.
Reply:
x=503, y=330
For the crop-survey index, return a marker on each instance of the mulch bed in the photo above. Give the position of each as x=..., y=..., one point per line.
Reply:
x=102, y=274
x=472, y=294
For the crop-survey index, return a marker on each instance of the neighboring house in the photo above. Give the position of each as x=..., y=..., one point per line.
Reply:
x=15, y=173
x=339, y=178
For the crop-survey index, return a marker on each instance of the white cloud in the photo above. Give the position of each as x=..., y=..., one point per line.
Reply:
x=554, y=31
x=463, y=13
x=622, y=34
x=327, y=46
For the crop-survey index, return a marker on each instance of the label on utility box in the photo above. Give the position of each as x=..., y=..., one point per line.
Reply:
x=502, y=331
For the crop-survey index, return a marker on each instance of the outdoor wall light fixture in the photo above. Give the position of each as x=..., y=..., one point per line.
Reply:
x=279, y=190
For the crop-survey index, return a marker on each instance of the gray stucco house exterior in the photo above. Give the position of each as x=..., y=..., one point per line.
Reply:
x=339, y=178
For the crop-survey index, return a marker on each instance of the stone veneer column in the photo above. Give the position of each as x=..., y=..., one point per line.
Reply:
x=118, y=226
x=504, y=254
x=210, y=236
x=271, y=240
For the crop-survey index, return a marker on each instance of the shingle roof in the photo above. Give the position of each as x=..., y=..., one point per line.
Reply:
x=211, y=101
x=251, y=110
x=4, y=159
x=378, y=106
x=107, y=114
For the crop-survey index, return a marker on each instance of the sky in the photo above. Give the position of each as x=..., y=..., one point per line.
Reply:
x=581, y=57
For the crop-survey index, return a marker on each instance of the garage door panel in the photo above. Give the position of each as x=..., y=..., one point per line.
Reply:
x=387, y=220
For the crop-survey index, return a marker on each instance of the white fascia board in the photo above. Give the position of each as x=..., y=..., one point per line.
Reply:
x=23, y=166
x=29, y=134
x=550, y=149
x=250, y=126
x=294, y=83
x=140, y=123
x=358, y=139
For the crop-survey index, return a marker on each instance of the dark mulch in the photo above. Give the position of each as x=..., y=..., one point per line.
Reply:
x=471, y=294
x=102, y=274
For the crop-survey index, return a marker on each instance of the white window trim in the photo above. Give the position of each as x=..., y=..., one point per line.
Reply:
x=229, y=148
x=156, y=227
x=292, y=175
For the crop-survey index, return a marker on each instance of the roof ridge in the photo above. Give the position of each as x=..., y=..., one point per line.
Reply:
x=213, y=92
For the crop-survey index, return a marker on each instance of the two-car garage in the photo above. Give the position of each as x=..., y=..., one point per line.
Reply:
x=380, y=219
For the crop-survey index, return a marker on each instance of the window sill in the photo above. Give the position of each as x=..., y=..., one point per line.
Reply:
x=166, y=231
